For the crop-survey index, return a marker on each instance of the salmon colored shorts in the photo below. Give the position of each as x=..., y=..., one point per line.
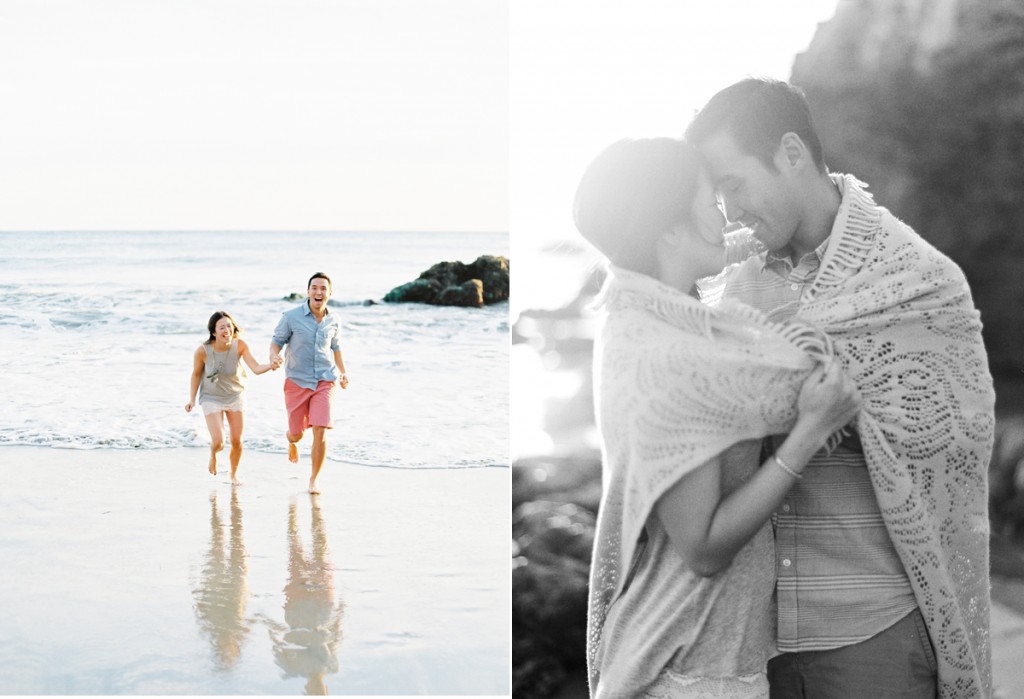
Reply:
x=308, y=407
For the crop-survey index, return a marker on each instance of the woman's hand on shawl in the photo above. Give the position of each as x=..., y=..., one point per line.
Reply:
x=828, y=401
x=707, y=527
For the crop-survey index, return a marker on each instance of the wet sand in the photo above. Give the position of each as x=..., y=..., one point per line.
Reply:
x=137, y=572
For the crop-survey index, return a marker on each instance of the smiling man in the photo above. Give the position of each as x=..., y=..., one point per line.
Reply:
x=882, y=546
x=313, y=368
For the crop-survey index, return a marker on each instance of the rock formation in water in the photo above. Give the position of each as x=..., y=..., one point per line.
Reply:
x=485, y=281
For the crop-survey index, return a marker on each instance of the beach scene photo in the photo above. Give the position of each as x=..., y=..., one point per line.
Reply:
x=175, y=163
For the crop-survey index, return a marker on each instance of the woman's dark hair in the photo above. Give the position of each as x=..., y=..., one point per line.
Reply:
x=212, y=325
x=757, y=112
x=634, y=191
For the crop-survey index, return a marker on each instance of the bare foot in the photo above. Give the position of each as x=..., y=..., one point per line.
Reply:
x=213, y=464
x=313, y=488
x=235, y=480
x=293, y=452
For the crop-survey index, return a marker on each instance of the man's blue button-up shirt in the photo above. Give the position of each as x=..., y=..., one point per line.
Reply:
x=311, y=345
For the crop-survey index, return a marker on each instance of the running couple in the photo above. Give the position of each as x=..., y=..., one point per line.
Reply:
x=313, y=369
x=795, y=451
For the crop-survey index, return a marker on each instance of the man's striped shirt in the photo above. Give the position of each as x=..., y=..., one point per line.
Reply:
x=840, y=580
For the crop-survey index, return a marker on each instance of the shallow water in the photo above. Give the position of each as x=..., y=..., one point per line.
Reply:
x=99, y=331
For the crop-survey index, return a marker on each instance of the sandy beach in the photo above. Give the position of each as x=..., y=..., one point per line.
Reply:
x=137, y=572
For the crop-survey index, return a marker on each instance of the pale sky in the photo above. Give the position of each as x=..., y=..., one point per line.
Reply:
x=586, y=73
x=254, y=114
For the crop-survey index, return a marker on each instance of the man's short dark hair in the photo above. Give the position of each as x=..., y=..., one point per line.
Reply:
x=757, y=112
x=319, y=275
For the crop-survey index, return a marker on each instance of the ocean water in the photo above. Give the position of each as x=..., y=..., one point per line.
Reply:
x=99, y=329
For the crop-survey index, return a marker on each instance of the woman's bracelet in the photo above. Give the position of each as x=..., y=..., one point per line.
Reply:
x=787, y=469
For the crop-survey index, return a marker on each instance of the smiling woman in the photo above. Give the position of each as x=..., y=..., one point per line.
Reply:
x=612, y=72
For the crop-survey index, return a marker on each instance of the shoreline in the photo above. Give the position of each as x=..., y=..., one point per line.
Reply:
x=224, y=464
x=138, y=572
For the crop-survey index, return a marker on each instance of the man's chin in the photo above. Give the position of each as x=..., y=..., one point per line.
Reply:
x=764, y=236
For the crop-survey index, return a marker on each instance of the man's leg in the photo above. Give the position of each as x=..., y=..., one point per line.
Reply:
x=785, y=676
x=318, y=456
x=321, y=420
x=897, y=663
x=293, y=447
x=296, y=403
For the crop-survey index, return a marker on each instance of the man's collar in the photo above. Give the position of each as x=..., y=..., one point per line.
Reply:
x=309, y=311
x=773, y=257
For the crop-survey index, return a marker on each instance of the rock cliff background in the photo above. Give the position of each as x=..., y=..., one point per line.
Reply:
x=924, y=101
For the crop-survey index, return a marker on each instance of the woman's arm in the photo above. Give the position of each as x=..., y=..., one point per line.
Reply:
x=708, y=530
x=198, y=366
x=257, y=368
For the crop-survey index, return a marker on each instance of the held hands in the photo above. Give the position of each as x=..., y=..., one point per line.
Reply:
x=275, y=362
x=828, y=400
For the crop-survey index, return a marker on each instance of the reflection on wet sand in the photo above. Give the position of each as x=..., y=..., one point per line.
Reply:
x=307, y=645
x=222, y=593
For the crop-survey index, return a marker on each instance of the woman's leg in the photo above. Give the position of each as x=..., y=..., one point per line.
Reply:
x=215, y=422
x=236, y=421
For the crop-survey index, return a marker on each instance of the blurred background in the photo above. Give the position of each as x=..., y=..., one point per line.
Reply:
x=921, y=99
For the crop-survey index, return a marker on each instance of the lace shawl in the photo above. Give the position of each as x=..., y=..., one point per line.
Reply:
x=676, y=383
x=904, y=325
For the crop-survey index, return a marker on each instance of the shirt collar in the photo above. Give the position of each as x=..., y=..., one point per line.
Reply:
x=309, y=311
x=773, y=257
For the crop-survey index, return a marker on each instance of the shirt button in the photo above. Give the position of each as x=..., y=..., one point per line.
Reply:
x=786, y=508
x=786, y=562
x=794, y=287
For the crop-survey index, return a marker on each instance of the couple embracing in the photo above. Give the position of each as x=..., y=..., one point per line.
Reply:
x=313, y=369
x=795, y=450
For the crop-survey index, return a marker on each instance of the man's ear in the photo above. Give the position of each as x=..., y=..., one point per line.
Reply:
x=792, y=152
